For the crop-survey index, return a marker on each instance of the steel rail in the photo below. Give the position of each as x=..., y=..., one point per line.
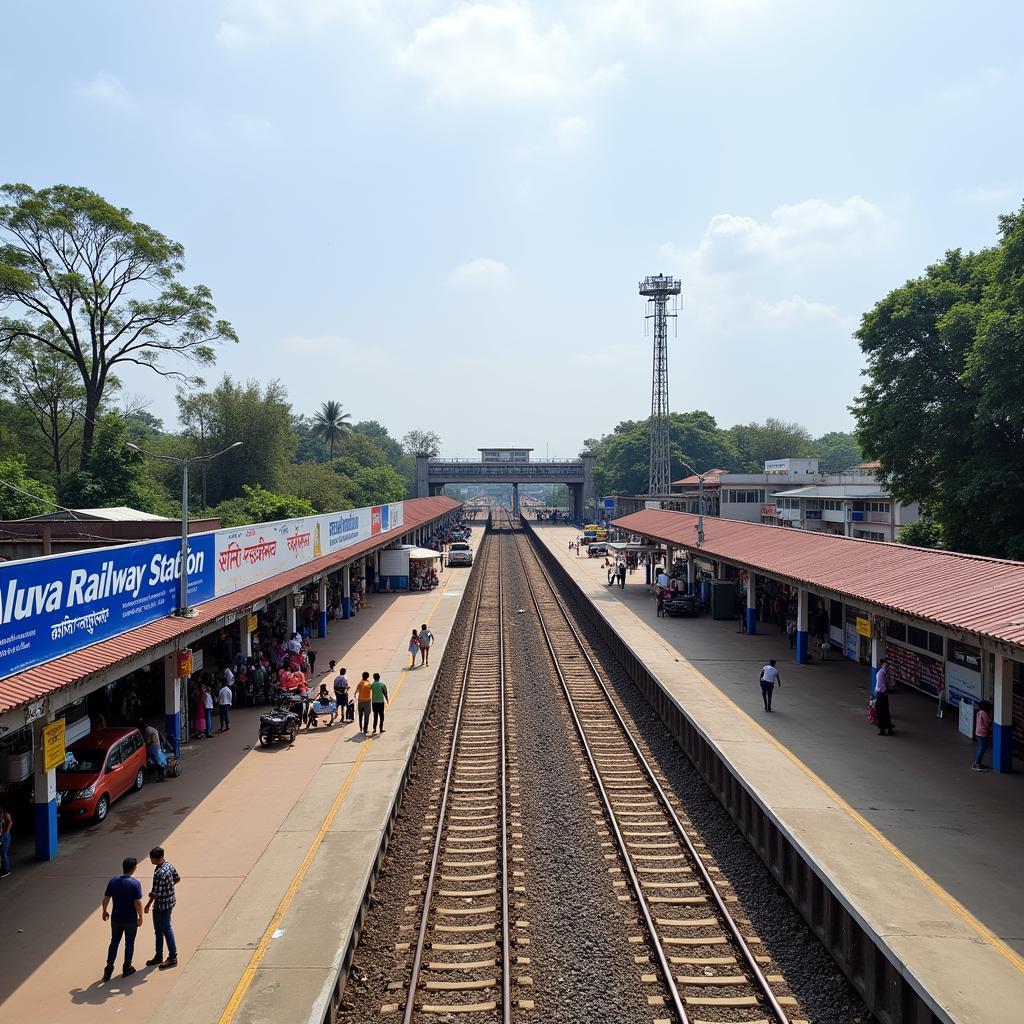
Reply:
x=414, y=977
x=761, y=982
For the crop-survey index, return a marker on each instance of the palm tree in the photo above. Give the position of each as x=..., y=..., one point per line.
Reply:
x=330, y=423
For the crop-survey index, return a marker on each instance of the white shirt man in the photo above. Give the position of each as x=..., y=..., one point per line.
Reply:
x=224, y=707
x=295, y=644
x=770, y=678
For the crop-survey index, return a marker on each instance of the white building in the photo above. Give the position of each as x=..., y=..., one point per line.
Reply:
x=865, y=511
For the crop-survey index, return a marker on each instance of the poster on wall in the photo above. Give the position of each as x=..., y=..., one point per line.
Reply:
x=55, y=605
x=962, y=683
x=916, y=670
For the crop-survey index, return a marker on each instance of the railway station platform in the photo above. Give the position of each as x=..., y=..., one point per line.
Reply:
x=919, y=847
x=275, y=847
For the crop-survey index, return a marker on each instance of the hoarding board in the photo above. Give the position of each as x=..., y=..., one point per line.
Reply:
x=53, y=745
x=58, y=604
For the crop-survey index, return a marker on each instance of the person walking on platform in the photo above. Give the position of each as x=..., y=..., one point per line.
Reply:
x=364, y=693
x=126, y=918
x=770, y=678
x=983, y=730
x=885, y=727
x=162, y=900
x=378, y=697
x=414, y=648
x=621, y=571
x=426, y=642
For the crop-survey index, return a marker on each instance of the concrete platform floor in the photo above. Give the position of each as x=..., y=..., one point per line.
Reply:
x=279, y=836
x=936, y=842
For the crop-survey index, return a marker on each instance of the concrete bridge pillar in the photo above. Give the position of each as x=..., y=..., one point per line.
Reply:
x=515, y=499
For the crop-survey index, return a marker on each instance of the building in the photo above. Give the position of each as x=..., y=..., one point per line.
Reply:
x=864, y=511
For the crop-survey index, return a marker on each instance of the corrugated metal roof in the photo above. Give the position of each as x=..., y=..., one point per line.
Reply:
x=972, y=593
x=44, y=679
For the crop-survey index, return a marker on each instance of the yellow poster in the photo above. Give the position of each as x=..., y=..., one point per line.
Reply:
x=251, y=624
x=53, y=745
x=863, y=626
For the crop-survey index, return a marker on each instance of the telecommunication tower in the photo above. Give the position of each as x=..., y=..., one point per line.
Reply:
x=658, y=291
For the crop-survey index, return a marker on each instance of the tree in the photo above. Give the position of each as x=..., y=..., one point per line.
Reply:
x=925, y=533
x=837, y=451
x=420, y=443
x=324, y=488
x=20, y=495
x=196, y=416
x=941, y=407
x=95, y=286
x=330, y=423
x=758, y=443
x=260, y=417
x=258, y=505
x=48, y=385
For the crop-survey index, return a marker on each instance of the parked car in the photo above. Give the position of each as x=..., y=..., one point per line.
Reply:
x=97, y=770
x=460, y=553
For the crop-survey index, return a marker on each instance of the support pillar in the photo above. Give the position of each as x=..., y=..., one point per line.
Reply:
x=668, y=559
x=289, y=613
x=245, y=636
x=1002, y=715
x=751, y=603
x=802, y=638
x=321, y=626
x=691, y=574
x=346, y=591
x=719, y=570
x=515, y=499
x=172, y=701
x=44, y=795
x=877, y=655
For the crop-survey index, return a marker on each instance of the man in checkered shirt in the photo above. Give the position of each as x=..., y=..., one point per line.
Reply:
x=162, y=900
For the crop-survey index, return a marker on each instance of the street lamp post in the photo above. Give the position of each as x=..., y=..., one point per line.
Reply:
x=183, y=608
x=700, y=501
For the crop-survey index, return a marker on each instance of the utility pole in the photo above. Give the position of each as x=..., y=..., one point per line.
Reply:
x=658, y=290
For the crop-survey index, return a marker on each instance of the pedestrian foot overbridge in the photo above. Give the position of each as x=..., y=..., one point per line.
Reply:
x=510, y=466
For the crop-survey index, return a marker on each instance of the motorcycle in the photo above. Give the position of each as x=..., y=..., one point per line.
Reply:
x=281, y=723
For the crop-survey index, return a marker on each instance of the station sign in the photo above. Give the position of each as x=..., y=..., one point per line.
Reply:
x=54, y=605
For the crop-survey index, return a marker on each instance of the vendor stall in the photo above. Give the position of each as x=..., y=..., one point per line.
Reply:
x=407, y=567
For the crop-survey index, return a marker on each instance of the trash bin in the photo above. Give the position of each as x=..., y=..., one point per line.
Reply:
x=723, y=599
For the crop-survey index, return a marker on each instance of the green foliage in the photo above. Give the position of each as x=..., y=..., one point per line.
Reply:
x=258, y=416
x=421, y=443
x=257, y=505
x=13, y=503
x=91, y=284
x=322, y=486
x=925, y=533
x=941, y=408
x=837, y=452
x=117, y=475
x=330, y=424
x=757, y=443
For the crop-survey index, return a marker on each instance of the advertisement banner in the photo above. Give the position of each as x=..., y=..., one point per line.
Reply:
x=249, y=554
x=53, y=745
x=184, y=668
x=962, y=683
x=375, y=521
x=397, y=515
x=59, y=604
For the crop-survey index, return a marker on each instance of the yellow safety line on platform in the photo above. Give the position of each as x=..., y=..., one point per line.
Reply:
x=951, y=901
x=249, y=974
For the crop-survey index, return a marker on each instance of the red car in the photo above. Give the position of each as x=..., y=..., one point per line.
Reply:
x=97, y=770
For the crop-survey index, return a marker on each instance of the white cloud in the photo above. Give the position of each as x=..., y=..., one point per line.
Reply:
x=248, y=23
x=482, y=271
x=572, y=131
x=793, y=234
x=669, y=22
x=107, y=89
x=481, y=52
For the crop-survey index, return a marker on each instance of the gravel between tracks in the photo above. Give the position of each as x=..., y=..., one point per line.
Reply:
x=825, y=996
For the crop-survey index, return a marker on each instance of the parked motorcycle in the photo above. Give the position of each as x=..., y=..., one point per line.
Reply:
x=280, y=724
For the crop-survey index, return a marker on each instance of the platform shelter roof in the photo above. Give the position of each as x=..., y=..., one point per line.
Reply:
x=969, y=593
x=44, y=679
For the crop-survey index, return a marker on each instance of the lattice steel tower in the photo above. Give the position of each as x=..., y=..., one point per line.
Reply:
x=658, y=291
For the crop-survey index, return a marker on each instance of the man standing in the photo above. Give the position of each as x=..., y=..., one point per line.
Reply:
x=341, y=693
x=154, y=752
x=224, y=707
x=882, y=699
x=162, y=901
x=770, y=678
x=364, y=692
x=426, y=641
x=378, y=697
x=126, y=918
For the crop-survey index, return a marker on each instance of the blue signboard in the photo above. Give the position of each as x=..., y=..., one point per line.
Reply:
x=53, y=606
x=609, y=503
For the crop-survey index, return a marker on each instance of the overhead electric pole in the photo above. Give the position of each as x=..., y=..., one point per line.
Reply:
x=658, y=290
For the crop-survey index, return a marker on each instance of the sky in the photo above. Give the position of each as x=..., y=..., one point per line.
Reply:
x=438, y=213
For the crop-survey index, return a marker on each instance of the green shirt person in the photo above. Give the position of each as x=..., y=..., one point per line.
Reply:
x=378, y=698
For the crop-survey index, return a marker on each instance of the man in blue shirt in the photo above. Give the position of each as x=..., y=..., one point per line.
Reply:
x=126, y=918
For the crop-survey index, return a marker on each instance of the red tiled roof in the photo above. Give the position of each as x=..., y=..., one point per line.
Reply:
x=43, y=679
x=979, y=595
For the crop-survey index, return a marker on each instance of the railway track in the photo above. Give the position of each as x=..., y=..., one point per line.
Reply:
x=705, y=956
x=461, y=952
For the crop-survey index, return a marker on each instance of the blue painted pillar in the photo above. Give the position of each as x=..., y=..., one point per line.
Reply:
x=321, y=627
x=1002, y=715
x=346, y=591
x=44, y=796
x=172, y=701
x=751, y=603
x=802, y=637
